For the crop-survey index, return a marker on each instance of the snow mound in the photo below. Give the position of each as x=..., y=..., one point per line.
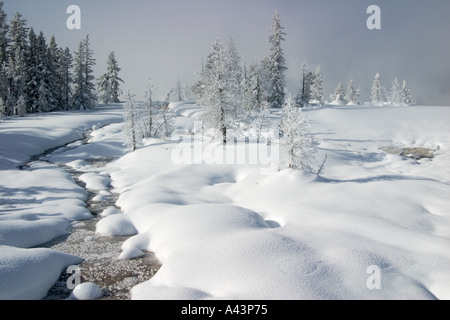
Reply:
x=86, y=291
x=28, y=274
x=131, y=253
x=116, y=225
x=12, y=233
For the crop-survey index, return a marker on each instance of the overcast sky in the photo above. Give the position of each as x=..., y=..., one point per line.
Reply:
x=167, y=39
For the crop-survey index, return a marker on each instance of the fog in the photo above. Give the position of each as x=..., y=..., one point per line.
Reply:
x=167, y=40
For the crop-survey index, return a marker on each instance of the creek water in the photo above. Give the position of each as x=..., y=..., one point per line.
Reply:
x=100, y=253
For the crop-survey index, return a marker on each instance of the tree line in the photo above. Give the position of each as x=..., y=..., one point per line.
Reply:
x=40, y=76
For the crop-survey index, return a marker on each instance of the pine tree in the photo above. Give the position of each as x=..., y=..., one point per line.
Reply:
x=277, y=66
x=377, y=95
x=262, y=120
x=339, y=94
x=64, y=76
x=131, y=132
x=255, y=93
x=4, y=41
x=406, y=94
x=395, y=97
x=297, y=143
x=109, y=83
x=352, y=94
x=16, y=69
x=304, y=94
x=317, y=87
x=218, y=88
x=84, y=93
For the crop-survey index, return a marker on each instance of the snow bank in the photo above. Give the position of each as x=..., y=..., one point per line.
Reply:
x=30, y=273
x=26, y=234
x=228, y=232
x=86, y=291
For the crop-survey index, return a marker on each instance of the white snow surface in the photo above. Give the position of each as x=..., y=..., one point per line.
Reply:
x=38, y=203
x=86, y=291
x=232, y=231
x=229, y=232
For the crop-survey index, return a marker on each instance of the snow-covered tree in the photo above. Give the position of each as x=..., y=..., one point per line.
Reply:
x=298, y=144
x=339, y=94
x=109, y=83
x=4, y=40
x=377, y=95
x=217, y=87
x=17, y=66
x=84, y=92
x=317, y=87
x=305, y=93
x=406, y=94
x=262, y=120
x=64, y=75
x=277, y=64
x=256, y=87
x=352, y=94
x=131, y=133
x=395, y=95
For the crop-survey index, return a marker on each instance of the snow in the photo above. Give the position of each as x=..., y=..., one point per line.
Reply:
x=86, y=291
x=27, y=274
x=232, y=231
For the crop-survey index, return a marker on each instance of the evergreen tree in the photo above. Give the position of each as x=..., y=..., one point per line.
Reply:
x=297, y=143
x=317, y=87
x=277, y=66
x=395, y=97
x=64, y=72
x=131, y=132
x=377, y=95
x=305, y=92
x=339, y=94
x=406, y=94
x=255, y=93
x=109, y=83
x=84, y=92
x=17, y=66
x=4, y=41
x=352, y=94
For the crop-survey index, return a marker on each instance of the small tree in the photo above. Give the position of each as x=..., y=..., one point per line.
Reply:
x=339, y=94
x=377, y=95
x=109, y=83
x=317, y=87
x=395, y=96
x=352, y=93
x=131, y=132
x=297, y=143
x=406, y=94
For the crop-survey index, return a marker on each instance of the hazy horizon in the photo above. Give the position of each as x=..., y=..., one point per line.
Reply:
x=167, y=40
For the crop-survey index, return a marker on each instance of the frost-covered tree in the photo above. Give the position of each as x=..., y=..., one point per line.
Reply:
x=217, y=87
x=304, y=94
x=395, y=95
x=4, y=40
x=339, y=94
x=84, y=92
x=352, y=94
x=317, y=87
x=262, y=120
x=109, y=83
x=406, y=94
x=17, y=65
x=277, y=64
x=256, y=87
x=131, y=131
x=377, y=95
x=150, y=112
x=298, y=144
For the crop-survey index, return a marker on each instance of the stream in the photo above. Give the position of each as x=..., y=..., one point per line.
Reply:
x=100, y=253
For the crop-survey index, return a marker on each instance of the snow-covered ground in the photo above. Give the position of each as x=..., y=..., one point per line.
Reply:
x=374, y=225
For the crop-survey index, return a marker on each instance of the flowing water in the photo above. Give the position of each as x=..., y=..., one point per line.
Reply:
x=100, y=253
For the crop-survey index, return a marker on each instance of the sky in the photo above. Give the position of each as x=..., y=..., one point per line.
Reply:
x=167, y=40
